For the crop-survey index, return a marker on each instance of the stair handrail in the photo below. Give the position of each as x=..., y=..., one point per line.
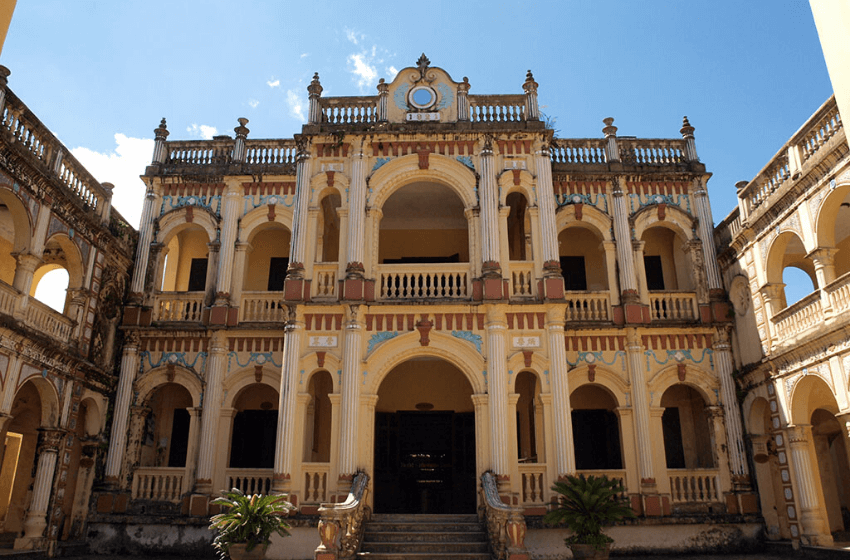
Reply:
x=505, y=524
x=345, y=520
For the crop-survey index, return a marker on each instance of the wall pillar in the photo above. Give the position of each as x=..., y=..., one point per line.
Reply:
x=36, y=519
x=209, y=419
x=633, y=312
x=497, y=388
x=353, y=285
x=137, y=285
x=641, y=412
x=351, y=365
x=287, y=406
x=296, y=285
x=814, y=525
x=121, y=414
x=562, y=411
x=552, y=283
x=491, y=270
x=728, y=394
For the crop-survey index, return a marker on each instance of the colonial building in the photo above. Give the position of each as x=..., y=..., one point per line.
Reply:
x=56, y=366
x=422, y=286
x=794, y=357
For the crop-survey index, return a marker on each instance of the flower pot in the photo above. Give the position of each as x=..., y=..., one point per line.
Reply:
x=239, y=552
x=590, y=552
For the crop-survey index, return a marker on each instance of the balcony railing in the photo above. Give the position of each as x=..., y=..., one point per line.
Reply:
x=496, y=108
x=673, y=306
x=8, y=297
x=839, y=293
x=262, y=307
x=694, y=485
x=324, y=281
x=522, y=279
x=578, y=150
x=534, y=484
x=423, y=281
x=647, y=151
x=44, y=319
x=315, y=482
x=250, y=481
x=179, y=306
x=799, y=317
x=588, y=306
x=162, y=484
x=349, y=110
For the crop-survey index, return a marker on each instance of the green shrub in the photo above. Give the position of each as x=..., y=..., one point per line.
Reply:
x=248, y=520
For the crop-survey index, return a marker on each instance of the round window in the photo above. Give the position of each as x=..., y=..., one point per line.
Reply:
x=422, y=97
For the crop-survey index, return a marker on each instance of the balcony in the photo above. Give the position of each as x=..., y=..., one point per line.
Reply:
x=178, y=307
x=324, y=285
x=522, y=279
x=673, y=306
x=446, y=281
x=262, y=307
x=37, y=315
x=161, y=484
x=250, y=481
x=800, y=316
x=694, y=485
x=588, y=306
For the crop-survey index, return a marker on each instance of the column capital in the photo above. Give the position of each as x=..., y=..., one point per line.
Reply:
x=798, y=434
x=218, y=342
x=50, y=439
x=480, y=399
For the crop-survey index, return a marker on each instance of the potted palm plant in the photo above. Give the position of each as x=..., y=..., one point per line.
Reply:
x=585, y=505
x=246, y=523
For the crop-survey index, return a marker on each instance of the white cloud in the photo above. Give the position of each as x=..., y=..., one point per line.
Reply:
x=305, y=55
x=351, y=35
x=391, y=72
x=122, y=168
x=363, y=68
x=296, y=105
x=253, y=103
x=273, y=84
x=203, y=131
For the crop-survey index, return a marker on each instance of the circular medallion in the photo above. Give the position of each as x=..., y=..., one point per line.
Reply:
x=422, y=97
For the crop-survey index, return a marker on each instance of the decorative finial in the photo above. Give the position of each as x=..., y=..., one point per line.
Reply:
x=610, y=129
x=315, y=88
x=422, y=64
x=687, y=130
x=242, y=121
x=529, y=77
x=162, y=130
x=739, y=186
x=529, y=86
x=162, y=123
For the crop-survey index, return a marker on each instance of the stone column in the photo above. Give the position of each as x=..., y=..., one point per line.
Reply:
x=192, y=448
x=640, y=404
x=356, y=216
x=728, y=394
x=160, y=154
x=824, y=260
x=687, y=132
x=623, y=237
x=497, y=388
x=772, y=294
x=239, y=149
x=351, y=358
x=561, y=409
x=121, y=414
x=814, y=526
x=484, y=460
x=229, y=227
x=137, y=285
x=463, y=100
x=36, y=519
x=287, y=405
x=26, y=264
x=209, y=417
x=546, y=203
x=702, y=208
x=610, y=249
x=298, y=244
x=489, y=204
x=11, y=382
x=532, y=112
x=383, y=100
x=243, y=249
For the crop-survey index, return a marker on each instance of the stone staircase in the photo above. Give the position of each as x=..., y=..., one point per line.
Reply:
x=421, y=537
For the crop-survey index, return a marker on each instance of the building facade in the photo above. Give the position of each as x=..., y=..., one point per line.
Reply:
x=793, y=359
x=56, y=366
x=425, y=285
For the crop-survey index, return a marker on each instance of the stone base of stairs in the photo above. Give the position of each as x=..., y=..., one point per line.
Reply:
x=410, y=536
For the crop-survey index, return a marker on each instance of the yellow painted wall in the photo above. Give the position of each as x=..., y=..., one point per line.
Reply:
x=26, y=418
x=191, y=243
x=7, y=239
x=425, y=381
x=162, y=405
x=592, y=397
x=257, y=396
x=660, y=241
x=696, y=432
x=266, y=244
x=319, y=425
x=395, y=244
x=6, y=9
x=581, y=242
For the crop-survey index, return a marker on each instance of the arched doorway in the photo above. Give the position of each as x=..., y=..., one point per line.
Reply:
x=425, y=440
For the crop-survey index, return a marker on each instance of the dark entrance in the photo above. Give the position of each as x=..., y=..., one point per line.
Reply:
x=425, y=462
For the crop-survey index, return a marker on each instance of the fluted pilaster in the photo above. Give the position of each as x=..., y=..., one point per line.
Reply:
x=288, y=402
x=497, y=388
x=352, y=356
x=209, y=418
x=562, y=411
x=121, y=414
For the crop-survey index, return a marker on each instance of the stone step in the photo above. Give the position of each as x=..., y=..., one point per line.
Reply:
x=423, y=556
x=424, y=547
x=424, y=536
x=426, y=517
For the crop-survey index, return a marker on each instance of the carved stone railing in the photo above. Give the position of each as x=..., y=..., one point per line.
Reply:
x=423, y=281
x=588, y=306
x=162, y=484
x=799, y=317
x=694, y=485
x=648, y=151
x=505, y=524
x=179, y=306
x=316, y=476
x=496, y=108
x=349, y=110
x=48, y=321
x=270, y=152
x=8, y=297
x=534, y=485
x=341, y=526
x=199, y=152
x=262, y=307
x=578, y=150
x=324, y=283
x=839, y=293
x=673, y=306
x=250, y=481
x=522, y=279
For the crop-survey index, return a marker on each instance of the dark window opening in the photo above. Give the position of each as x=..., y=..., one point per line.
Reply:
x=654, y=273
x=277, y=273
x=179, y=438
x=253, y=441
x=596, y=437
x=198, y=275
x=673, y=447
x=424, y=260
x=572, y=269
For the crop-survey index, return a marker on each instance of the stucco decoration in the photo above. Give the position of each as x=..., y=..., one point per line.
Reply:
x=433, y=80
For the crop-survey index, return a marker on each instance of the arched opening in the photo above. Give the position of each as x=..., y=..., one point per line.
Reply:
x=252, y=443
x=583, y=264
x=317, y=436
x=265, y=268
x=186, y=259
x=519, y=227
x=788, y=266
x=529, y=418
x=596, y=429
x=688, y=441
x=165, y=439
x=85, y=429
x=767, y=470
x=831, y=453
x=14, y=233
x=833, y=229
x=798, y=284
x=50, y=286
x=666, y=261
x=425, y=440
x=423, y=223
x=327, y=245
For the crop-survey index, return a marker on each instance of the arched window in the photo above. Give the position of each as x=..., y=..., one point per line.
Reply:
x=529, y=418
x=519, y=228
x=317, y=438
x=596, y=429
x=252, y=445
x=186, y=261
x=688, y=442
x=165, y=439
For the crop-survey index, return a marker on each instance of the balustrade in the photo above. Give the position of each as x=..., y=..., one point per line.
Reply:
x=522, y=279
x=349, y=110
x=421, y=281
x=673, y=306
x=496, y=108
x=8, y=297
x=270, y=152
x=162, y=484
x=262, y=307
x=799, y=317
x=651, y=152
x=839, y=293
x=199, y=152
x=315, y=482
x=824, y=125
x=579, y=150
x=324, y=281
x=52, y=323
x=534, y=484
x=588, y=306
x=250, y=481
x=179, y=306
x=694, y=486
x=348, y=518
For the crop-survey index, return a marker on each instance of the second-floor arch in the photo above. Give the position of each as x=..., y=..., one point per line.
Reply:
x=15, y=233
